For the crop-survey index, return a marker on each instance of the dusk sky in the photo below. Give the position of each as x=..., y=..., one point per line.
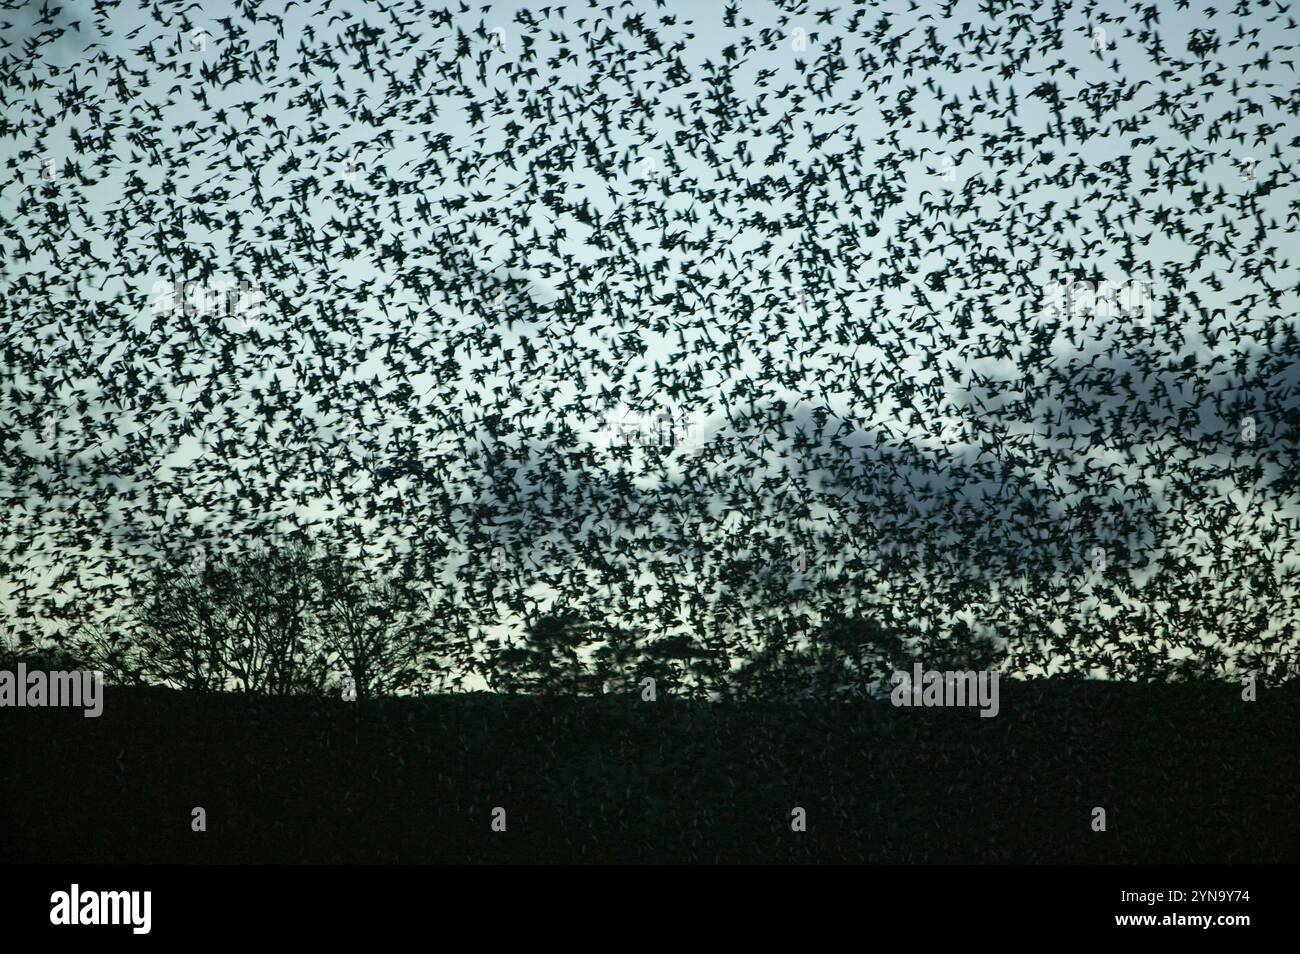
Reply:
x=829, y=244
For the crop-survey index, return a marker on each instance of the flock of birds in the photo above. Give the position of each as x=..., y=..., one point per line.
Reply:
x=712, y=323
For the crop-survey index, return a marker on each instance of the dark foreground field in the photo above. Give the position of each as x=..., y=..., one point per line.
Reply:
x=1186, y=774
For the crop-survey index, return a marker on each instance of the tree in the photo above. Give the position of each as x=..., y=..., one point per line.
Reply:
x=849, y=652
x=109, y=648
x=619, y=661
x=184, y=637
x=548, y=662
x=246, y=623
x=378, y=630
x=564, y=653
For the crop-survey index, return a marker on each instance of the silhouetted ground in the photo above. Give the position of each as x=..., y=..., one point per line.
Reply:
x=1187, y=774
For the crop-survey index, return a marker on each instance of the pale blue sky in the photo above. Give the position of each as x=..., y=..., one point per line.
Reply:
x=321, y=116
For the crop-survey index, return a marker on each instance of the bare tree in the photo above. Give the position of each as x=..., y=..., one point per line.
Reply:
x=184, y=639
x=245, y=623
x=377, y=630
x=285, y=620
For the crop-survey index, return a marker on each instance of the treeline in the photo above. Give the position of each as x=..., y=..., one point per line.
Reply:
x=295, y=620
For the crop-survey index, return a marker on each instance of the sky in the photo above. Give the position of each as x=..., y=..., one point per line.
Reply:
x=871, y=362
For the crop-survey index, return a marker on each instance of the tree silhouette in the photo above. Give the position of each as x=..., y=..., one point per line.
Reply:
x=379, y=631
x=852, y=651
x=619, y=661
x=247, y=622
